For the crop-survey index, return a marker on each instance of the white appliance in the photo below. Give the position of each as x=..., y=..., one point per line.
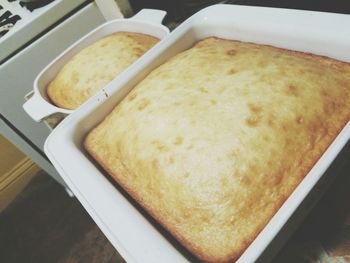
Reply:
x=27, y=45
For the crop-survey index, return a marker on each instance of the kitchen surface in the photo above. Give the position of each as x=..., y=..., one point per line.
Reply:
x=48, y=214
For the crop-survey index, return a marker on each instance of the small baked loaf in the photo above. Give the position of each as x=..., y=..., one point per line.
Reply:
x=212, y=142
x=95, y=66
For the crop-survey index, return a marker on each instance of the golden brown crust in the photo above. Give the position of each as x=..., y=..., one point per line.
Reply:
x=96, y=65
x=212, y=142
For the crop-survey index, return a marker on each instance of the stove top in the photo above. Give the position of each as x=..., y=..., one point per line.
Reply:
x=16, y=13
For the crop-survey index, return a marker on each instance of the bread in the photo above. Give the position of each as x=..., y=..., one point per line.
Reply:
x=95, y=66
x=213, y=141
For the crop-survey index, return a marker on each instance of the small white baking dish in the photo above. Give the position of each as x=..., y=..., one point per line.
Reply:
x=147, y=21
x=132, y=233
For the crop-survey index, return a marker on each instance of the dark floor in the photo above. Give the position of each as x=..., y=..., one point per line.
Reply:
x=44, y=225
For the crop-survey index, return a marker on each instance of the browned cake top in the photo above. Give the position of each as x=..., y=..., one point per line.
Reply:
x=95, y=66
x=212, y=142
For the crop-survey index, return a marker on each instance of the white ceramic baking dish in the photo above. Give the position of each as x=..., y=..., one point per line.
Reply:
x=147, y=21
x=132, y=233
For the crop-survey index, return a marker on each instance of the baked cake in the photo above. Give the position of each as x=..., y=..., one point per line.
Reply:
x=95, y=66
x=213, y=141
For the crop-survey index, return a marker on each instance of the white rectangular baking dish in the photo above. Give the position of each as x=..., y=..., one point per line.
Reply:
x=147, y=21
x=133, y=234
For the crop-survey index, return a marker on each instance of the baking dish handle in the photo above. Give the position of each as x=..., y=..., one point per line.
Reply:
x=150, y=15
x=37, y=108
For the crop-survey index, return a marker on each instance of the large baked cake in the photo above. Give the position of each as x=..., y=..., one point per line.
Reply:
x=213, y=141
x=95, y=66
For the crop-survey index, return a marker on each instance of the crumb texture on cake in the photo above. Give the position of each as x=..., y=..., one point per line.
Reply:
x=95, y=66
x=213, y=141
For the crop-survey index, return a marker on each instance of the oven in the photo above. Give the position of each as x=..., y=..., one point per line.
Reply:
x=32, y=34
